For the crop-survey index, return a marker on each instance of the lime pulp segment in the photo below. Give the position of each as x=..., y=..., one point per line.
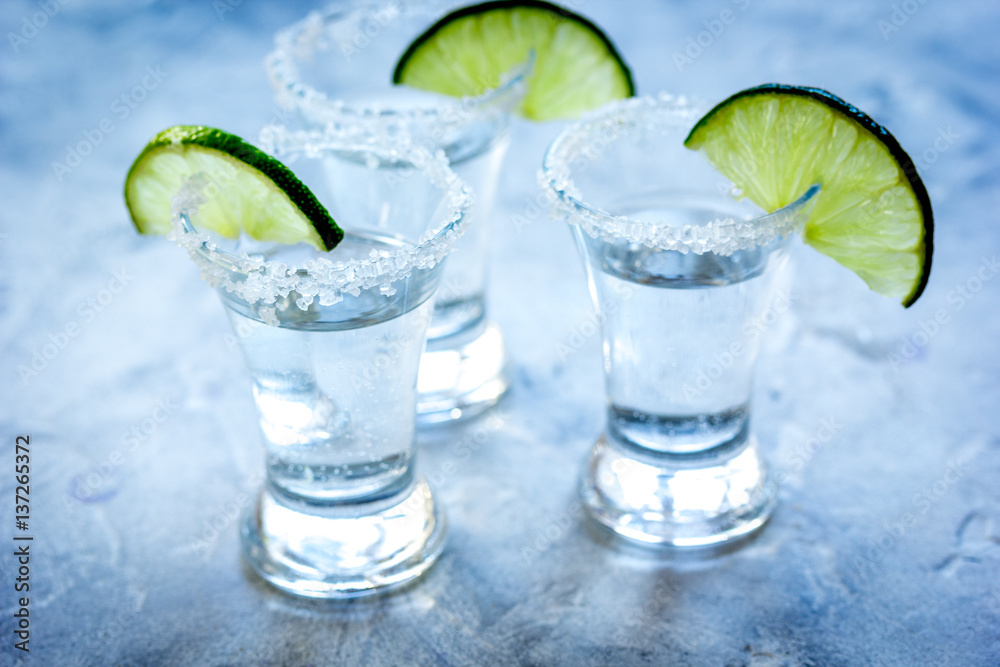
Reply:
x=873, y=214
x=248, y=191
x=577, y=68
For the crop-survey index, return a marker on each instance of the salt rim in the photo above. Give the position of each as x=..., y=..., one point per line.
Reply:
x=374, y=123
x=587, y=140
x=268, y=284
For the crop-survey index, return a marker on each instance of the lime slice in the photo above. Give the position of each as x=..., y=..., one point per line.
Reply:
x=467, y=52
x=872, y=215
x=249, y=191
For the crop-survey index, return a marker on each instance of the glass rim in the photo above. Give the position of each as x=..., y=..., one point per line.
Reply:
x=293, y=93
x=611, y=122
x=325, y=279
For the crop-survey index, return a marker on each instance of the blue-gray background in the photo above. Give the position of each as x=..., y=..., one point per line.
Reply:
x=886, y=546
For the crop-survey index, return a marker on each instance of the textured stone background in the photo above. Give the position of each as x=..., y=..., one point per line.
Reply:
x=886, y=546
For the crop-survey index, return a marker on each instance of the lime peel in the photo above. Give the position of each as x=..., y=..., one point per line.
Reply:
x=467, y=52
x=873, y=215
x=246, y=189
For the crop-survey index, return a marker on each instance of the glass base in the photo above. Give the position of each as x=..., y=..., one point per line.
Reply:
x=678, y=500
x=461, y=375
x=344, y=551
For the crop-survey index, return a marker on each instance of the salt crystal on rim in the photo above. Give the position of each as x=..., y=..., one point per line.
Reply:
x=269, y=283
x=588, y=138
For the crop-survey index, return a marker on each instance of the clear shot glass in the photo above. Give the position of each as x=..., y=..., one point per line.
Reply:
x=683, y=277
x=333, y=343
x=334, y=69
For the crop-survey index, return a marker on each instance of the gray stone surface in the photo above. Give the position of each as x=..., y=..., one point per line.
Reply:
x=886, y=546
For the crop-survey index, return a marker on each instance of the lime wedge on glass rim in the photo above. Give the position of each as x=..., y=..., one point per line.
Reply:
x=254, y=193
x=872, y=214
x=466, y=53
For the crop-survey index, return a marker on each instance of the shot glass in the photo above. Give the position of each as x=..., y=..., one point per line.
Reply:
x=682, y=275
x=333, y=343
x=334, y=70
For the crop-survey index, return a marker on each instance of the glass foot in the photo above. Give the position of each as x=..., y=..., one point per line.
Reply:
x=344, y=551
x=461, y=375
x=678, y=500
